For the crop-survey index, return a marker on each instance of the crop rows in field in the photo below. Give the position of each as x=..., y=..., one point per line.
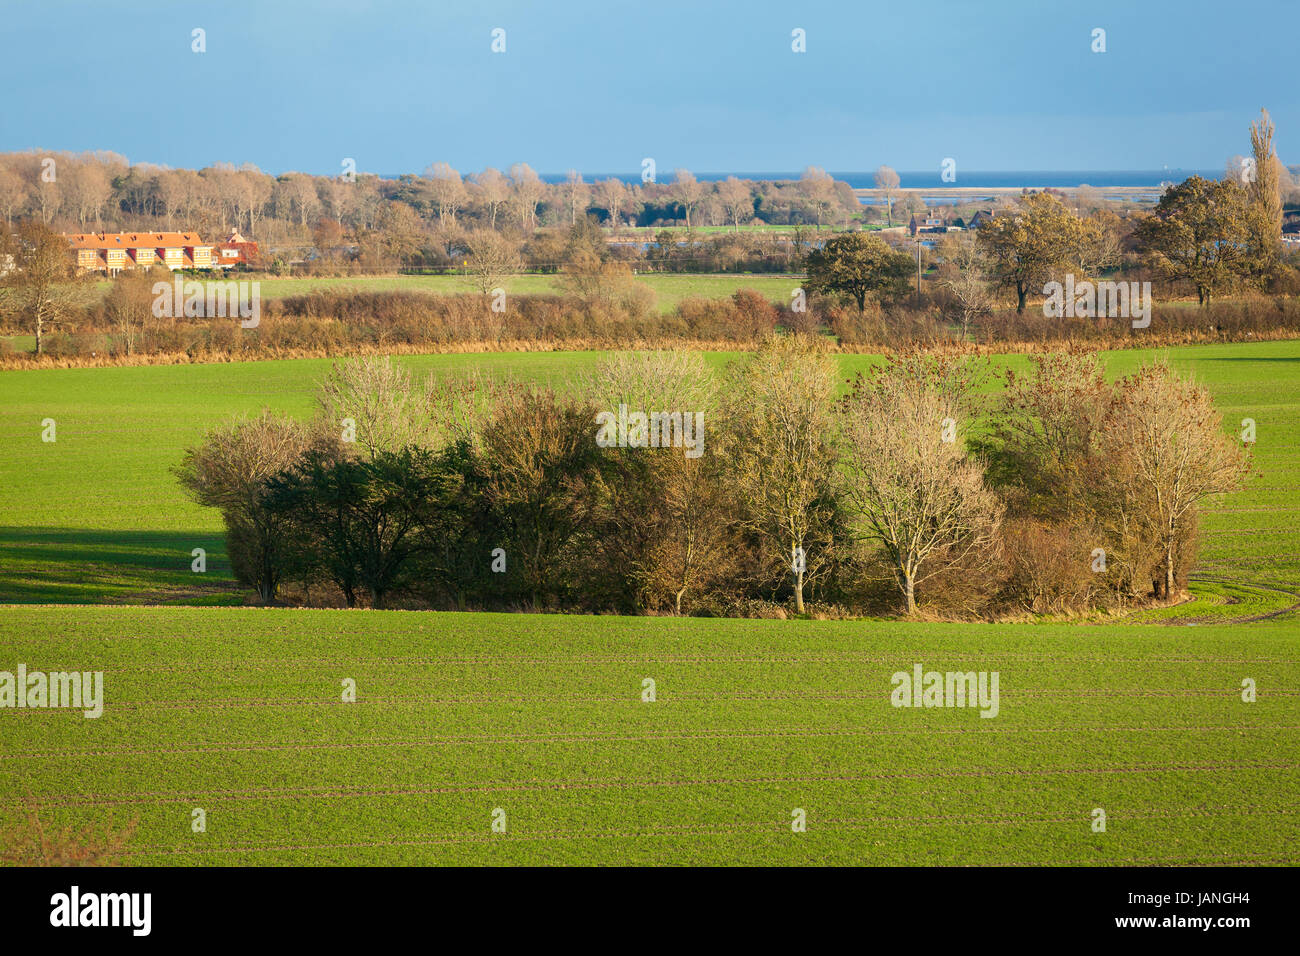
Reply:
x=239, y=712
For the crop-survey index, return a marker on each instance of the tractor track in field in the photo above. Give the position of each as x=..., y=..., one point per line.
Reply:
x=256, y=794
x=1249, y=619
x=480, y=739
x=1210, y=619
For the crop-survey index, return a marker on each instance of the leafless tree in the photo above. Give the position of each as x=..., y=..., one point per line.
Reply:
x=914, y=490
x=887, y=182
x=780, y=447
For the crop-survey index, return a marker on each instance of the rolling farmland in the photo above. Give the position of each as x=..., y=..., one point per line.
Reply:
x=538, y=722
x=97, y=516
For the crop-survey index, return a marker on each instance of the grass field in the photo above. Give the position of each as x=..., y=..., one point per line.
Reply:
x=96, y=516
x=239, y=712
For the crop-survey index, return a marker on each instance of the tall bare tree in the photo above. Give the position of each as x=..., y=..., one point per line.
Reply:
x=527, y=190
x=916, y=492
x=40, y=282
x=737, y=199
x=448, y=191
x=781, y=446
x=493, y=192
x=887, y=182
x=1168, y=430
x=686, y=192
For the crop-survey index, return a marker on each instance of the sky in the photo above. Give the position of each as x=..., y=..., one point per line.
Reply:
x=599, y=85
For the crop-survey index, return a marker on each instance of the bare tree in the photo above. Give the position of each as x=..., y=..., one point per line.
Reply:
x=129, y=306
x=1265, y=187
x=13, y=193
x=40, y=281
x=737, y=199
x=965, y=277
x=527, y=191
x=818, y=190
x=1167, y=429
x=228, y=470
x=780, y=446
x=493, y=190
x=686, y=192
x=375, y=404
x=613, y=195
x=915, y=491
x=448, y=191
x=577, y=195
x=887, y=182
x=492, y=258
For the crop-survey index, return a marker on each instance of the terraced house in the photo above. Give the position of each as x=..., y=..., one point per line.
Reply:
x=112, y=252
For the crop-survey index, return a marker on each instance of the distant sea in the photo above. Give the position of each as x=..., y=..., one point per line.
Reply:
x=931, y=179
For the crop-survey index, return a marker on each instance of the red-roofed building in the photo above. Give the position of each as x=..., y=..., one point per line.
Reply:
x=111, y=252
x=235, y=251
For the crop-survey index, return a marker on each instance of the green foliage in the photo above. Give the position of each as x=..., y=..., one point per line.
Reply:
x=856, y=265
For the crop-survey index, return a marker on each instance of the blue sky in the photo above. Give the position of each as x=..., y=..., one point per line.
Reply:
x=598, y=84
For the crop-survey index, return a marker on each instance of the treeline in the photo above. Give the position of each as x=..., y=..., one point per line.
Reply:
x=413, y=217
x=659, y=485
x=122, y=328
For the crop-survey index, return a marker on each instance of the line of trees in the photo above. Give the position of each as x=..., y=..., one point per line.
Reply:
x=100, y=190
x=909, y=492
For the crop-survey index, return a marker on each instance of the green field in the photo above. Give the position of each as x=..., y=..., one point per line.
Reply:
x=96, y=515
x=239, y=712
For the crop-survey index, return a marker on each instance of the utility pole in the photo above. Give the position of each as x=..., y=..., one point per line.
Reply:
x=918, y=268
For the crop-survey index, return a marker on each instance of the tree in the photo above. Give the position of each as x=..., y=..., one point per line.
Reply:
x=855, y=265
x=914, y=490
x=40, y=281
x=577, y=195
x=779, y=444
x=1265, y=192
x=613, y=195
x=448, y=191
x=229, y=471
x=683, y=544
x=965, y=277
x=818, y=190
x=361, y=522
x=539, y=454
x=686, y=191
x=492, y=258
x=88, y=189
x=129, y=305
x=887, y=182
x=1024, y=249
x=1199, y=232
x=373, y=403
x=13, y=193
x=527, y=191
x=494, y=191
x=1168, y=431
x=737, y=199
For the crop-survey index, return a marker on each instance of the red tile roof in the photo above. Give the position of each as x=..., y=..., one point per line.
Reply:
x=135, y=240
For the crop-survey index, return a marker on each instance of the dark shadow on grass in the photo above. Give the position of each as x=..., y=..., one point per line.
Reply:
x=104, y=566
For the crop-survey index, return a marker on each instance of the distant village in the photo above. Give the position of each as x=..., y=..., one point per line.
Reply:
x=114, y=252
